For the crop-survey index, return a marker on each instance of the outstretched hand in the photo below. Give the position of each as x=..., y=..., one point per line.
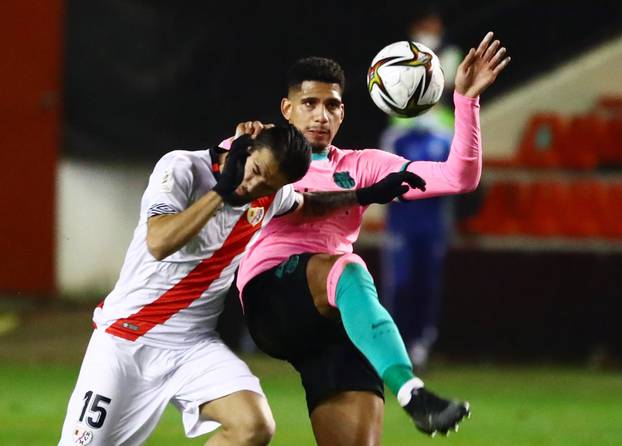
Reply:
x=480, y=67
x=389, y=188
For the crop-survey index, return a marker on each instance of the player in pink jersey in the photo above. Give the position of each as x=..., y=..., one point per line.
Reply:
x=309, y=300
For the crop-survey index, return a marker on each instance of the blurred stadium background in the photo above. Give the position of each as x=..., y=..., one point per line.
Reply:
x=93, y=93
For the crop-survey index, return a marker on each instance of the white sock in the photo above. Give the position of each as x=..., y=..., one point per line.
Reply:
x=405, y=392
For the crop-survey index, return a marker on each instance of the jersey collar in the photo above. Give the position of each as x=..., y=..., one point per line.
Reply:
x=321, y=156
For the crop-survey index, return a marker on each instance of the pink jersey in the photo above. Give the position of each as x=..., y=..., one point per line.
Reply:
x=352, y=169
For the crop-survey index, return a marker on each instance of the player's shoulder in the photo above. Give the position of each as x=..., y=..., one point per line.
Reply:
x=351, y=151
x=185, y=157
x=187, y=154
x=358, y=154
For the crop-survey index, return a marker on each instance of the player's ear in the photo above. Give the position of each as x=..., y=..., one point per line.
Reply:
x=286, y=108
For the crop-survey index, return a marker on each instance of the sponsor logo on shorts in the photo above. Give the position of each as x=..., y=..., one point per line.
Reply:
x=255, y=215
x=82, y=436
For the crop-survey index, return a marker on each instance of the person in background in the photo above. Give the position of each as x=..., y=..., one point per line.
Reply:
x=418, y=231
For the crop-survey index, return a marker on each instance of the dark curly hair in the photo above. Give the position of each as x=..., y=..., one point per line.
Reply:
x=290, y=149
x=319, y=69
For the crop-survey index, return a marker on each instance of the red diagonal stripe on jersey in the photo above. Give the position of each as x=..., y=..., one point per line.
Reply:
x=193, y=285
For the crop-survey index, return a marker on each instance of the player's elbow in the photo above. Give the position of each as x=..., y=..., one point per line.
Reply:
x=469, y=187
x=158, y=237
x=157, y=248
x=468, y=184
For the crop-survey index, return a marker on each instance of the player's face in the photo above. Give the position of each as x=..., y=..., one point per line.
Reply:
x=261, y=176
x=316, y=110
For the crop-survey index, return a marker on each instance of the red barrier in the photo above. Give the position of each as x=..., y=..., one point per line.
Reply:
x=30, y=44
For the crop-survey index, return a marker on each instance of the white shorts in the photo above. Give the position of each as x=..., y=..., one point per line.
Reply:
x=124, y=387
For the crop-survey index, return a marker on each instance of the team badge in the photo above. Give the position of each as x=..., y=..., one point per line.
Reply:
x=255, y=215
x=82, y=436
x=344, y=180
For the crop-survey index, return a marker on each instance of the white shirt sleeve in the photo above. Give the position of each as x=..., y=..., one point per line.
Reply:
x=286, y=200
x=170, y=185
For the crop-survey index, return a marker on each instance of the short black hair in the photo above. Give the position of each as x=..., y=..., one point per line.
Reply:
x=319, y=69
x=290, y=149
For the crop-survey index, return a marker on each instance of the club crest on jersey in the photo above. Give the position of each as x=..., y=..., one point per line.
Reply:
x=82, y=436
x=255, y=215
x=344, y=180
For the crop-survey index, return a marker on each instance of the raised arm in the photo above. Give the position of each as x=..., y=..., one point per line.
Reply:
x=462, y=170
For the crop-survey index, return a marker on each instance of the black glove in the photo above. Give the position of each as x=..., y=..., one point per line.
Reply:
x=389, y=188
x=233, y=173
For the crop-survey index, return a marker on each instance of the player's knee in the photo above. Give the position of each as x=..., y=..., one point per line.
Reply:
x=335, y=273
x=255, y=429
x=261, y=431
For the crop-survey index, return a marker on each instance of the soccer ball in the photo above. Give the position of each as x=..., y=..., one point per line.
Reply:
x=405, y=79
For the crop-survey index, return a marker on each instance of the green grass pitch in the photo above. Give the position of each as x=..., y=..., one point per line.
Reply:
x=512, y=405
x=527, y=406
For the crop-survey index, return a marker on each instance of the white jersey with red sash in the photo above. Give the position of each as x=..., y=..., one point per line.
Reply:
x=174, y=302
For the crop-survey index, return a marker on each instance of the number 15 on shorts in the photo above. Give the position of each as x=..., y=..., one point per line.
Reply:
x=96, y=412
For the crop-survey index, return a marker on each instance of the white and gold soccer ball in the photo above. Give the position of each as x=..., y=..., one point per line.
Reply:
x=405, y=79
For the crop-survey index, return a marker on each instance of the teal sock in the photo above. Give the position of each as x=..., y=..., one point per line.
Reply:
x=371, y=328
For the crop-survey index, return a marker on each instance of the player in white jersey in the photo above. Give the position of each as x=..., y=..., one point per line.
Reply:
x=155, y=339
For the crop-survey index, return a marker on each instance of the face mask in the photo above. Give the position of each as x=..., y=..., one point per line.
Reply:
x=432, y=41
